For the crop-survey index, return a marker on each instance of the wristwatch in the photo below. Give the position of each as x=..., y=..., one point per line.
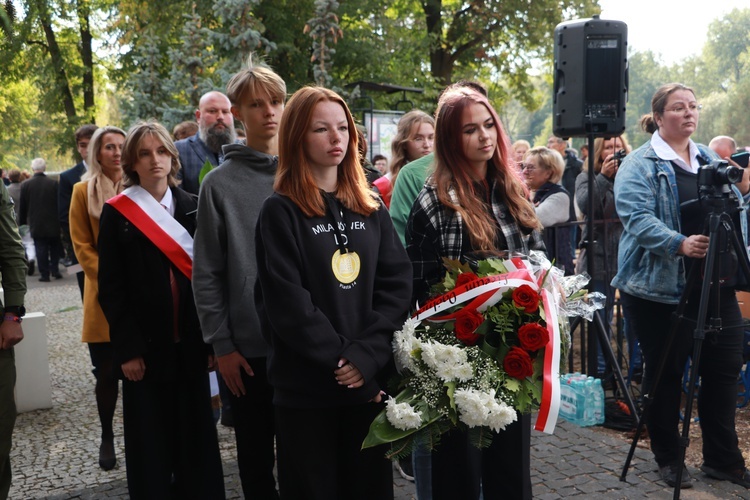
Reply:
x=14, y=313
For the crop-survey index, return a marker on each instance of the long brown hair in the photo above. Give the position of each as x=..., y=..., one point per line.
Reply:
x=294, y=177
x=452, y=170
x=405, y=132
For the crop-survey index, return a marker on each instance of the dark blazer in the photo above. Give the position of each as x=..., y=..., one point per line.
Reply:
x=67, y=179
x=193, y=155
x=39, y=206
x=136, y=295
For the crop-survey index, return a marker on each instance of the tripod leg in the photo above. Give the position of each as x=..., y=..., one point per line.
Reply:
x=610, y=355
x=649, y=397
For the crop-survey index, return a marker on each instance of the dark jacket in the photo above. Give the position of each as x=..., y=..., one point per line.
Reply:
x=12, y=256
x=556, y=238
x=64, y=191
x=605, y=234
x=39, y=206
x=312, y=314
x=573, y=167
x=193, y=155
x=136, y=295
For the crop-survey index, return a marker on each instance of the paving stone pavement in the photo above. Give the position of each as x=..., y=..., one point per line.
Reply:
x=55, y=451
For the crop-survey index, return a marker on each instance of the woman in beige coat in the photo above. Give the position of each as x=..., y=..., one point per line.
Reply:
x=102, y=181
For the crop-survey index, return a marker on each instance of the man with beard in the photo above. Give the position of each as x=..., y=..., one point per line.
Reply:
x=215, y=129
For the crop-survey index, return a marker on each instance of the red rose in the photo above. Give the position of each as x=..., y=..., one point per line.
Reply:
x=464, y=278
x=533, y=336
x=468, y=320
x=526, y=298
x=517, y=363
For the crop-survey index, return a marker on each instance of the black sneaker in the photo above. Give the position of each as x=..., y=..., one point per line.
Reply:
x=44, y=279
x=736, y=476
x=668, y=474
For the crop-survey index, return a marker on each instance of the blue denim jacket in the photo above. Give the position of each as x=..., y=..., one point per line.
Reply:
x=649, y=208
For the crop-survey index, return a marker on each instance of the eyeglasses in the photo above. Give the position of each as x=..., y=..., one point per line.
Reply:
x=679, y=109
x=528, y=167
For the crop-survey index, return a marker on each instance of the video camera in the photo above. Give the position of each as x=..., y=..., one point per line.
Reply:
x=718, y=173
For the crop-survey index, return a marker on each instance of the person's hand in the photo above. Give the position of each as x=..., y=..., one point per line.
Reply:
x=349, y=375
x=229, y=367
x=211, y=363
x=610, y=166
x=379, y=398
x=134, y=369
x=11, y=334
x=694, y=246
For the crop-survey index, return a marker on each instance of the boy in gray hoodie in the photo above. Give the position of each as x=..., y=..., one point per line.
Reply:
x=224, y=269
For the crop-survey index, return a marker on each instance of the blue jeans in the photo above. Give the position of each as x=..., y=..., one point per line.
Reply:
x=634, y=351
x=421, y=461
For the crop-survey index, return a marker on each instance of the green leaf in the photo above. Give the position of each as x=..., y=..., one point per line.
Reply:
x=512, y=384
x=207, y=167
x=490, y=267
x=383, y=432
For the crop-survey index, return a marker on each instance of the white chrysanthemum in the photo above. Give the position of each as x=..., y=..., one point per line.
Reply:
x=449, y=362
x=402, y=416
x=478, y=408
x=405, y=344
x=471, y=408
x=500, y=415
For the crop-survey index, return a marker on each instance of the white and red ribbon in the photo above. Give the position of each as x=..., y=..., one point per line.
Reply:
x=485, y=292
x=148, y=215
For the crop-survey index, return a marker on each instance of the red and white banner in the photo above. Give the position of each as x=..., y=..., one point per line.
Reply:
x=148, y=215
x=485, y=292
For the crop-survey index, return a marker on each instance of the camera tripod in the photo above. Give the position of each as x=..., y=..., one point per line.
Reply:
x=717, y=220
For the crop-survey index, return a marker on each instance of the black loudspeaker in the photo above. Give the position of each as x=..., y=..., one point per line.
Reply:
x=591, y=78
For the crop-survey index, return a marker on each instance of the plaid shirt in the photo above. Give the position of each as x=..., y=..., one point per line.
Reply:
x=434, y=231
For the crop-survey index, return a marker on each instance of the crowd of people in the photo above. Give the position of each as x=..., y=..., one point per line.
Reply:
x=279, y=263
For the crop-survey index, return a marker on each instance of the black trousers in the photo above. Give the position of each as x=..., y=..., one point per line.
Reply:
x=254, y=433
x=171, y=446
x=320, y=455
x=48, y=253
x=503, y=469
x=720, y=364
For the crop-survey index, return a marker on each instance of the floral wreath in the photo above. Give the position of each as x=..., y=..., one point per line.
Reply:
x=486, y=347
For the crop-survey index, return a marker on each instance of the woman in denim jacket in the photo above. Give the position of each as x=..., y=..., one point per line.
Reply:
x=661, y=240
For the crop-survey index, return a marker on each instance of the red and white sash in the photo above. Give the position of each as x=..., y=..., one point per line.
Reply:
x=148, y=215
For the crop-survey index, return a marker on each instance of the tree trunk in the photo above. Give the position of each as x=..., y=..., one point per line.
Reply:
x=89, y=106
x=441, y=64
x=61, y=77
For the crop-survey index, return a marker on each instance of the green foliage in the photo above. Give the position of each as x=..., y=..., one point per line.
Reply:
x=205, y=169
x=325, y=31
x=154, y=59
